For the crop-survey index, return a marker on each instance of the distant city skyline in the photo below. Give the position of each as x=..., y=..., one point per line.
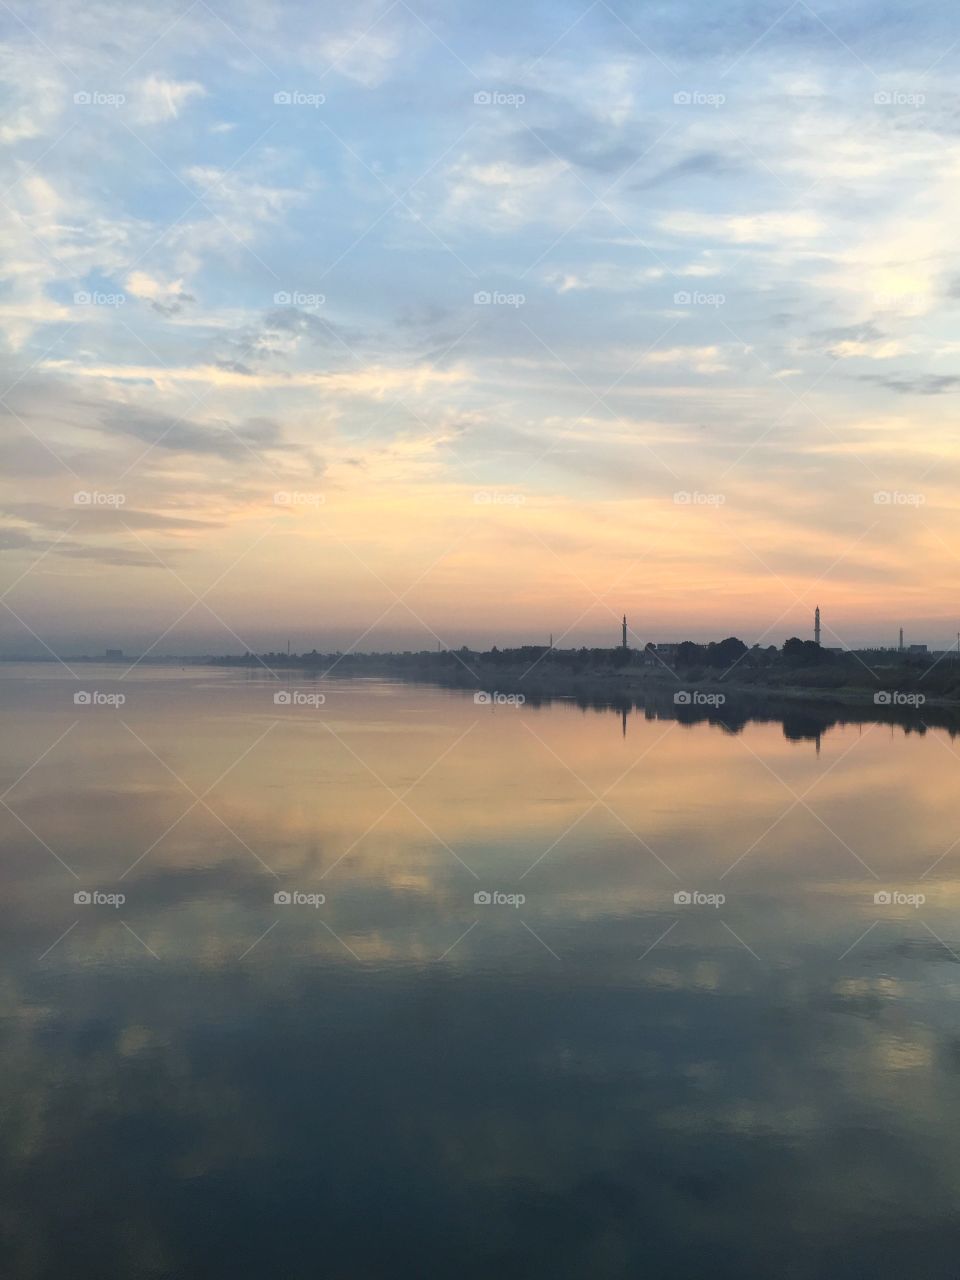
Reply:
x=195, y=643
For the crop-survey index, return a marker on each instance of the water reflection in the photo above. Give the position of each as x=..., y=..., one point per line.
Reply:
x=600, y=1080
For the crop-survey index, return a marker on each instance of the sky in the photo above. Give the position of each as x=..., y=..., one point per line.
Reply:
x=390, y=325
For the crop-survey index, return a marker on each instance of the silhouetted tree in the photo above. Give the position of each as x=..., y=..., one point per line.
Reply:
x=802, y=653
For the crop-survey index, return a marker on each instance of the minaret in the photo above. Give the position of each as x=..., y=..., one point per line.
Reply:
x=816, y=626
x=901, y=639
x=623, y=642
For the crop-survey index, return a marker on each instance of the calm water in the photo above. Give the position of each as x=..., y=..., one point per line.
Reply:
x=403, y=1081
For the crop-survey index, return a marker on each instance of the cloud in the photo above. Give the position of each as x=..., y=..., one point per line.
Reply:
x=34, y=94
x=182, y=435
x=580, y=141
x=364, y=52
x=166, y=299
x=757, y=228
x=98, y=519
x=864, y=340
x=702, y=164
x=494, y=193
x=700, y=359
x=373, y=381
x=157, y=99
x=19, y=540
x=615, y=278
x=921, y=384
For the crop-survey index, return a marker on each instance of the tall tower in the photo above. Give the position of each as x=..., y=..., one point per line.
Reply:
x=816, y=626
x=623, y=642
x=901, y=639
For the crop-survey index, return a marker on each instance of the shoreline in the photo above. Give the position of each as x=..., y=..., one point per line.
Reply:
x=617, y=688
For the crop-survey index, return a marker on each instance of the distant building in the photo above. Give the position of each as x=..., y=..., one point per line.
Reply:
x=816, y=626
x=114, y=654
x=916, y=648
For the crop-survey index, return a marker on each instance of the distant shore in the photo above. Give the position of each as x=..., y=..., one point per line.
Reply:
x=891, y=682
x=639, y=686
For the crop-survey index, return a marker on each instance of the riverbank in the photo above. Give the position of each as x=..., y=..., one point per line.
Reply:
x=541, y=675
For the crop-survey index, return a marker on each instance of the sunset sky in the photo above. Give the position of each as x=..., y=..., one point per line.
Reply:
x=395, y=324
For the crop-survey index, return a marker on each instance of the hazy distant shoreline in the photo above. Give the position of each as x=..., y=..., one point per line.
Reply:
x=901, y=685
x=880, y=680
